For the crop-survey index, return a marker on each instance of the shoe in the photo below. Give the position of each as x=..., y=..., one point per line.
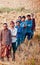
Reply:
x=2, y=59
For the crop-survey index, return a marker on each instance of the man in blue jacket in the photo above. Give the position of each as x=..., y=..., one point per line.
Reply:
x=19, y=18
x=19, y=33
x=28, y=27
x=23, y=26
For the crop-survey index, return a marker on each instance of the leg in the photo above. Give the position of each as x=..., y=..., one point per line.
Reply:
x=18, y=42
x=3, y=51
x=8, y=52
x=13, y=59
x=29, y=36
x=32, y=34
x=14, y=50
x=0, y=51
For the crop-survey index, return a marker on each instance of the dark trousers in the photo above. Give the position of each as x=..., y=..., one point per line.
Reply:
x=29, y=36
x=14, y=49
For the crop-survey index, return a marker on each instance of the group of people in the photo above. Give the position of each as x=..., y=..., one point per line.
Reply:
x=11, y=38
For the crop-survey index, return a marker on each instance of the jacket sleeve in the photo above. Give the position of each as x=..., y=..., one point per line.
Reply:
x=10, y=37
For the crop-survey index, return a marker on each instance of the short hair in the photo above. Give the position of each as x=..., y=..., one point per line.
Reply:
x=12, y=22
x=19, y=17
x=23, y=17
x=28, y=15
x=18, y=21
x=5, y=24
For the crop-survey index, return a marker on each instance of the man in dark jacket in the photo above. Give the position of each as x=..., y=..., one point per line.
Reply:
x=33, y=25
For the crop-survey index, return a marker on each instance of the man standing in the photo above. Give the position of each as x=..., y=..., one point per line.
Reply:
x=23, y=26
x=19, y=34
x=33, y=23
x=5, y=40
x=28, y=27
x=13, y=35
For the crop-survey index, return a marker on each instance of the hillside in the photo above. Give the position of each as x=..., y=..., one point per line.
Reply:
x=28, y=4
x=29, y=53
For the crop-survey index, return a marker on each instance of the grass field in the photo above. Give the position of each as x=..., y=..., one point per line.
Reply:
x=29, y=53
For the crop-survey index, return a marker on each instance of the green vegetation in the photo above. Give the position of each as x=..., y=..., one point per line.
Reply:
x=3, y=9
x=32, y=62
x=20, y=9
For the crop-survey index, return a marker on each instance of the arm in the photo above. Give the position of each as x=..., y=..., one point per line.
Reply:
x=0, y=36
x=10, y=37
x=13, y=36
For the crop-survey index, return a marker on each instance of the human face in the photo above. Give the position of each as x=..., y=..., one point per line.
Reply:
x=18, y=24
x=12, y=25
x=4, y=26
x=29, y=17
x=19, y=18
x=23, y=19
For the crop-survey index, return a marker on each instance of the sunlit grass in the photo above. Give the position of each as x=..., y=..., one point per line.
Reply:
x=20, y=9
x=3, y=9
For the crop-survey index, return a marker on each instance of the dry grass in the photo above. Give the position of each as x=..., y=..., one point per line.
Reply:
x=29, y=53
